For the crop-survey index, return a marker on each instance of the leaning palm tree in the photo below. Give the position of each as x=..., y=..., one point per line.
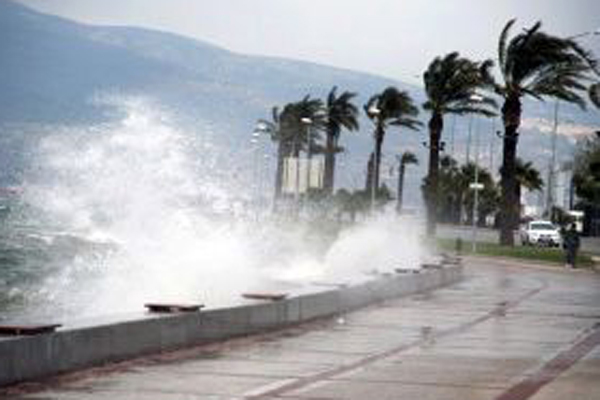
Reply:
x=340, y=113
x=404, y=160
x=388, y=108
x=291, y=134
x=527, y=177
x=452, y=84
x=304, y=137
x=533, y=63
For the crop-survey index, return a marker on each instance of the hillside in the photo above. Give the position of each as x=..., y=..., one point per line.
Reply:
x=53, y=71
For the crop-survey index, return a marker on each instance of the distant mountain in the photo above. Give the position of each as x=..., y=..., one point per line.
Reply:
x=52, y=69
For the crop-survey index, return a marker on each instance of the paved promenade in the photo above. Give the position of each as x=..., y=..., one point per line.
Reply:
x=504, y=333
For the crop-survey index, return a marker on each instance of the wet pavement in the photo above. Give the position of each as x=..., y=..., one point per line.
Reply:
x=505, y=332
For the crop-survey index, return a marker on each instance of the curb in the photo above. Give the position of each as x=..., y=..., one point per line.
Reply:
x=26, y=358
x=520, y=263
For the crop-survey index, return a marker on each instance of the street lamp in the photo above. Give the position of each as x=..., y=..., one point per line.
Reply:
x=374, y=113
x=475, y=186
x=257, y=185
x=473, y=97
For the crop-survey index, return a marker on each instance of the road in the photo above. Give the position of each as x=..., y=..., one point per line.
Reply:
x=505, y=332
x=588, y=244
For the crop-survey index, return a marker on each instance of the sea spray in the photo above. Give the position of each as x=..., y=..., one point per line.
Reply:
x=143, y=211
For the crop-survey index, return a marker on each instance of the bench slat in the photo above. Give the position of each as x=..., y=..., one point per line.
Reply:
x=18, y=330
x=265, y=296
x=173, y=308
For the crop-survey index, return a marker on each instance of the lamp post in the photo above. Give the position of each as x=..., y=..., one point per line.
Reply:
x=307, y=122
x=475, y=186
x=256, y=168
x=374, y=113
x=468, y=153
x=552, y=164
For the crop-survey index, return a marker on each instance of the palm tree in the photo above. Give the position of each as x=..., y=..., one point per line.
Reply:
x=390, y=107
x=404, y=160
x=526, y=177
x=340, y=113
x=533, y=63
x=291, y=134
x=451, y=85
x=304, y=137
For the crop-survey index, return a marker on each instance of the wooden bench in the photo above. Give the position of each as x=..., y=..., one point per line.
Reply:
x=19, y=330
x=172, y=308
x=265, y=296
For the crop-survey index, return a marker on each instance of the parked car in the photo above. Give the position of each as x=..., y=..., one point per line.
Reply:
x=540, y=233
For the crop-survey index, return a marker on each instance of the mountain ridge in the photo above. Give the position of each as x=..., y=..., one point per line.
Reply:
x=53, y=69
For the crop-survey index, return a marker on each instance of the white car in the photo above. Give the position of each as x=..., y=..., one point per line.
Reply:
x=540, y=233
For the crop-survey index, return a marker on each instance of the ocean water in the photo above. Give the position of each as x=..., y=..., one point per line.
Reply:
x=110, y=217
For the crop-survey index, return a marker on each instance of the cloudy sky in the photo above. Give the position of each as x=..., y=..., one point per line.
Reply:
x=395, y=38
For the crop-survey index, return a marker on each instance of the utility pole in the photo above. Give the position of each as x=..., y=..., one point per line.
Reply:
x=552, y=166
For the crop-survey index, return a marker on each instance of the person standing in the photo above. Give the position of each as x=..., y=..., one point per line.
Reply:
x=571, y=245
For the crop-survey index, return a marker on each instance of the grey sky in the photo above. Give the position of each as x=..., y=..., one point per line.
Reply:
x=395, y=38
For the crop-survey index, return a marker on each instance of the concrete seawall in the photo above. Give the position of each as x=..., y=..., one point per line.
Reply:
x=70, y=348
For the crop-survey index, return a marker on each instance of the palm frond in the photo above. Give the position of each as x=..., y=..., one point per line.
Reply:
x=408, y=157
x=539, y=64
x=502, y=51
x=464, y=110
x=451, y=81
x=407, y=122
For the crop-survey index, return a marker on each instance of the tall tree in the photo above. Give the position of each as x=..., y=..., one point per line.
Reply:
x=339, y=113
x=407, y=158
x=533, y=63
x=452, y=86
x=389, y=108
x=291, y=134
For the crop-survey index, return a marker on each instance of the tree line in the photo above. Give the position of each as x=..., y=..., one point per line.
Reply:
x=531, y=63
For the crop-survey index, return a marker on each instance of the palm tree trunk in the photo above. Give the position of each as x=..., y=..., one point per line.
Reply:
x=328, y=177
x=279, y=172
x=370, y=168
x=509, y=204
x=400, y=187
x=379, y=133
x=518, y=196
x=436, y=124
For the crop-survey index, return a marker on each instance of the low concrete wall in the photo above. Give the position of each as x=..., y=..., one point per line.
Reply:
x=28, y=358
